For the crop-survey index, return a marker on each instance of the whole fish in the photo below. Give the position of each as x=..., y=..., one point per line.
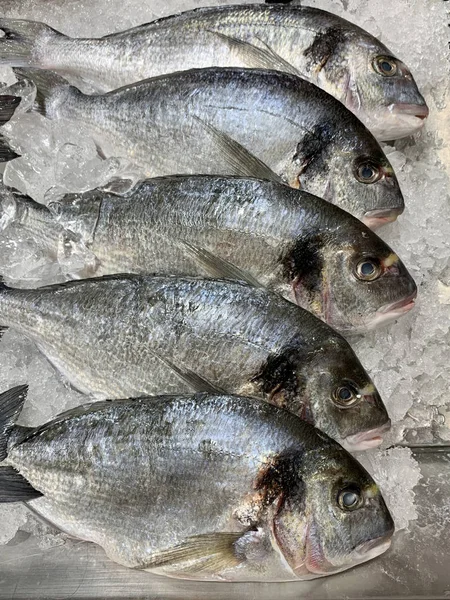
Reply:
x=199, y=487
x=334, y=54
x=226, y=121
x=123, y=336
x=262, y=232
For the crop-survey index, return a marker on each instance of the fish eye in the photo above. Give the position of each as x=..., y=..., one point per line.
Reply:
x=368, y=172
x=350, y=498
x=368, y=269
x=346, y=395
x=384, y=65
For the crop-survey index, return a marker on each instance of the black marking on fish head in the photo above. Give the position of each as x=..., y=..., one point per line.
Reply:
x=312, y=151
x=280, y=478
x=282, y=384
x=324, y=46
x=304, y=267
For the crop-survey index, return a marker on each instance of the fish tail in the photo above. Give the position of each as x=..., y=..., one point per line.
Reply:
x=6, y=152
x=11, y=404
x=13, y=487
x=52, y=90
x=25, y=42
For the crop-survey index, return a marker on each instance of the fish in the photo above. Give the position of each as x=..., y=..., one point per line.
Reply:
x=262, y=232
x=207, y=487
x=124, y=336
x=334, y=54
x=230, y=121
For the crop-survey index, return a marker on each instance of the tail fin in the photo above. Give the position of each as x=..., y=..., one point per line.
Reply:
x=14, y=487
x=11, y=403
x=6, y=152
x=8, y=105
x=51, y=90
x=25, y=42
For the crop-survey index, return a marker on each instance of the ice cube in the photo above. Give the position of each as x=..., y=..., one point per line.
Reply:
x=397, y=473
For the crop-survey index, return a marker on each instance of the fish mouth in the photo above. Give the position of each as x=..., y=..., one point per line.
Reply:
x=365, y=440
x=319, y=566
x=400, y=120
x=373, y=548
x=420, y=111
x=401, y=307
x=374, y=219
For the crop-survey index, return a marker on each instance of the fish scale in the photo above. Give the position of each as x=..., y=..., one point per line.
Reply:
x=211, y=487
x=191, y=122
x=317, y=45
x=261, y=232
x=125, y=336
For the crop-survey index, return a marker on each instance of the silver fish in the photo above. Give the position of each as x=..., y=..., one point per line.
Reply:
x=262, y=232
x=124, y=336
x=333, y=53
x=202, y=487
x=228, y=121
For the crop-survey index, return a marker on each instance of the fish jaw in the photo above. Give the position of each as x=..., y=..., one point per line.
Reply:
x=391, y=312
x=374, y=219
x=400, y=120
x=318, y=566
x=365, y=440
x=374, y=548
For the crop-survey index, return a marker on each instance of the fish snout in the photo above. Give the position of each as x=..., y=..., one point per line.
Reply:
x=374, y=219
x=371, y=438
x=420, y=111
x=372, y=548
x=401, y=306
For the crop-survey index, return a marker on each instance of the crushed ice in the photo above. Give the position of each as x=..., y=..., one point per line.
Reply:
x=407, y=360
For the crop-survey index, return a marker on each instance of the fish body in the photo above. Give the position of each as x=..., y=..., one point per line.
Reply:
x=334, y=54
x=228, y=121
x=128, y=335
x=211, y=487
x=262, y=232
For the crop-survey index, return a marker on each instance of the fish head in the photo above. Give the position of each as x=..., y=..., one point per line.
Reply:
x=332, y=515
x=338, y=397
x=371, y=82
x=349, y=277
x=344, y=164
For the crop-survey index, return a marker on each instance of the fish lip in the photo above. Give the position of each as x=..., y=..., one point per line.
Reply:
x=381, y=216
x=421, y=111
x=401, y=306
x=371, y=438
x=374, y=547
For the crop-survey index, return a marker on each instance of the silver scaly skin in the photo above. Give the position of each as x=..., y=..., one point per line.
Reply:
x=127, y=335
x=209, y=487
x=289, y=241
x=334, y=54
x=226, y=121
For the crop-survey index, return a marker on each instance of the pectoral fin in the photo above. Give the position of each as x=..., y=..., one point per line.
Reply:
x=216, y=266
x=192, y=379
x=201, y=553
x=240, y=160
x=257, y=57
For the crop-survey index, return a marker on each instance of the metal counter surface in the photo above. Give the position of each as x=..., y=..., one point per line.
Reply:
x=416, y=566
